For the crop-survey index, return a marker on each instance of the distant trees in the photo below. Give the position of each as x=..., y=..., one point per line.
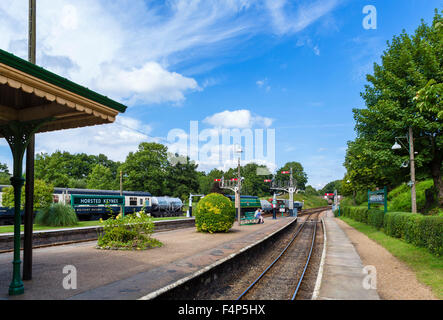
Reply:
x=42, y=195
x=5, y=176
x=66, y=170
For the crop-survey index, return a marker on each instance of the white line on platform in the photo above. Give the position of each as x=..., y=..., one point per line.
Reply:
x=322, y=262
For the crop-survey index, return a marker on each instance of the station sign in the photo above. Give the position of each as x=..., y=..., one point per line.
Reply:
x=79, y=200
x=378, y=197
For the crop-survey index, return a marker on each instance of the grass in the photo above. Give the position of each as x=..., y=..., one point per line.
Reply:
x=10, y=229
x=427, y=267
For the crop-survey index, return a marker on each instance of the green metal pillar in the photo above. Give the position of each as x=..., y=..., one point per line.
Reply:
x=18, y=135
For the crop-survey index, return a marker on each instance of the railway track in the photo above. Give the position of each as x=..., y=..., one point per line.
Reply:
x=283, y=277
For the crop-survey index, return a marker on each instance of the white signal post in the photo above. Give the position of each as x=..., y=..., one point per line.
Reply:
x=289, y=188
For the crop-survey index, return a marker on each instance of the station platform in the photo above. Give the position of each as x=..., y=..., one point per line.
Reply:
x=120, y=275
x=343, y=275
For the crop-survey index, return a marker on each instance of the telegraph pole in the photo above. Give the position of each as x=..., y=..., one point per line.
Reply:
x=412, y=162
x=30, y=154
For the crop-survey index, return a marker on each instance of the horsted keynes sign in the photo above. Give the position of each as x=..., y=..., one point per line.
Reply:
x=378, y=197
x=89, y=200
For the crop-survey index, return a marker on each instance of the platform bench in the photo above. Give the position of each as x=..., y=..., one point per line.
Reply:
x=249, y=218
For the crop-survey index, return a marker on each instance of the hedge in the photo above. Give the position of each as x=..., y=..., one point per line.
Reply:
x=419, y=230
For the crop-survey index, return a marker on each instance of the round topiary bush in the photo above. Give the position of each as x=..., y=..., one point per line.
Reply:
x=214, y=213
x=57, y=215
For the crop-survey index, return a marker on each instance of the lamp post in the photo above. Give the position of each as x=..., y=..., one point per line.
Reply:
x=397, y=146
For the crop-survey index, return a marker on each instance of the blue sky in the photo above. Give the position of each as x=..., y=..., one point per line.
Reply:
x=297, y=67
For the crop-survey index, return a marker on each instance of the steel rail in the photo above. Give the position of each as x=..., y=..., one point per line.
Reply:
x=272, y=264
x=307, y=262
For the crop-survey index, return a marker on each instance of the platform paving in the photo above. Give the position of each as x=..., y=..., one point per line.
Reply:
x=343, y=271
x=118, y=275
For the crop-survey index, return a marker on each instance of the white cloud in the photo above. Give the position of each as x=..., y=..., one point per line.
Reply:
x=287, y=19
x=81, y=39
x=114, y=140
x=150, y=84
x=238, y=119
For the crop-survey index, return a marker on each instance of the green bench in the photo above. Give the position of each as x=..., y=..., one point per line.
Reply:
x=249, y=218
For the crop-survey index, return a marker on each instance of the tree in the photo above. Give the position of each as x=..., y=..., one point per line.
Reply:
x=70, y=170
x=311, y=191
x=298, y=173
x=5, y=176
x=101, y=178
x=331, y=187
x=402, y=93
x=182, y=178
x=145, y=169
x=206, y=181
x=43, y=194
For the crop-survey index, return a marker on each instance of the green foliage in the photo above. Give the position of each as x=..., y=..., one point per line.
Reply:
x=376, y=218
x=403, y=91
x=66, y=170
x=331, y=187
x=311, y=191
x=182, y=177
x=422, y=231
x=214, y=213
x=417, y=229
x=131, y=232
x=5, y=176
x=298, y=173
x=57, y=215
x=145, y=169
x=399, y=199
x=101, y=178
x=42, y=195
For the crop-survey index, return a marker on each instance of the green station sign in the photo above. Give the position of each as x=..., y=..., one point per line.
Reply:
x=378, y=197
x=93, y=200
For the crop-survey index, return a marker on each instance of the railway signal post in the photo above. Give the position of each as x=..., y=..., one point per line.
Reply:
x=289, y=187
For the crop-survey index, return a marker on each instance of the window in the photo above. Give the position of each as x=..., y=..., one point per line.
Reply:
x=132, y=201
x=141, y=201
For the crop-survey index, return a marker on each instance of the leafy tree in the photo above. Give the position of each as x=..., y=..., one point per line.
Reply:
x=43, y=194
x=298, y=173
x=101, y=178
x=146, y=169
x=402, y=93
x=206, y=181
x=331, y=187
x=5, y=176
x=311, y=191
x=70, y=170
x=182, y=178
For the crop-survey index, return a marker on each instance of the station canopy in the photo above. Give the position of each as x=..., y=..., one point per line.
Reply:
x=34, y=100
x=30, y=93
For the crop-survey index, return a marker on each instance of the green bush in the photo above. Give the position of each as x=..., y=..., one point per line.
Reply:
x=375, y=218
x=132, y=232
x=57, y=215
x=214, y=213
x=400, y=197
x=417, y=229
